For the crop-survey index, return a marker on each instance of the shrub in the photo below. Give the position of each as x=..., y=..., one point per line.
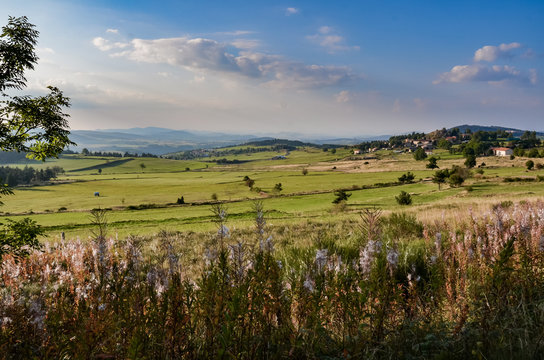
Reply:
x=304, y=171
x=456, y=180
x=420, y=154
x=180, y=201
x=407, y=178
x=214, y=197
x=404, y=198
x=529, y=164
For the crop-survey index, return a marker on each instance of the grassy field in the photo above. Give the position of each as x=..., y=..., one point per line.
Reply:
x=142, y=199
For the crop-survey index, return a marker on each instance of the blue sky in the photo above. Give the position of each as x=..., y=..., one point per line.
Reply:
x=341, y=68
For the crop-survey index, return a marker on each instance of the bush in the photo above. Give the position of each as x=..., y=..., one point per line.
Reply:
x=420, y=154
x=407, y=178
x=404, y=198
x=456, y=180
x=180, y=201
x=529, y=164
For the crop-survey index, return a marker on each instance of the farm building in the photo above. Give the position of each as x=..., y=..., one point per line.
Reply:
x=502, y=151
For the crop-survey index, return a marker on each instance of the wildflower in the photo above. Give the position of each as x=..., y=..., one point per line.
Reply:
x=438, y=242
x=309, y=284
x=210, y=255
x=267, y=245
x=392, y=258
x=366, y=255
x=223, y=231
x=101, y=307
x=321, y=258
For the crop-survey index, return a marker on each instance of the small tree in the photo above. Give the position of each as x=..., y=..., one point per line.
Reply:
x=432, y=163
x=100, y=170
x=249, y=182
x=142, y=166
x=180, y=201
x=278, y=187
x=404, y=198
x=304, y=171
x=440, y=177
x=530, y=164
x=341, y=195
x=470, y=162
x=420, y=154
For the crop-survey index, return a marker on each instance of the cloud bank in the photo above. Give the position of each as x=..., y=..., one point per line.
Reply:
x=479, y=72
x=491, y=53
x=201, y=55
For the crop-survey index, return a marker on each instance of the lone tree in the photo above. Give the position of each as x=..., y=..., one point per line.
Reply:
x=341, y=195
x=420, y=154
x=530, y=164
x=440, y=177
x=432, y=163
x=34, y=125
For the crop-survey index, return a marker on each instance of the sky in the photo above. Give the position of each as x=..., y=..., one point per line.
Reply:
x=320, y=68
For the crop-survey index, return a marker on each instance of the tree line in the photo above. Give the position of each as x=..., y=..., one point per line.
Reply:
x=28, y=175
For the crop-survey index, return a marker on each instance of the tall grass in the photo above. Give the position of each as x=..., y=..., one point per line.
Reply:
x=382, y=287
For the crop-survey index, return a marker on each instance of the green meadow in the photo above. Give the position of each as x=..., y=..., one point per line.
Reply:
x=141, y=193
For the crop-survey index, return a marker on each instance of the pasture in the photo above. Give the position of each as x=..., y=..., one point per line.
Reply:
x=143, y=199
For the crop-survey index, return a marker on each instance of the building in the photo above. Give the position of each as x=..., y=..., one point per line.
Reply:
x=356, y=152
x=502, y=151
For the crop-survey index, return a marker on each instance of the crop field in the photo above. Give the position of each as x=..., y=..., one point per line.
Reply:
x=141, y=194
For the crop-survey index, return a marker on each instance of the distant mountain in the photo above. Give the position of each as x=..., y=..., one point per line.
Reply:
x=474, y=128
x=151, y=140
x=160, y=141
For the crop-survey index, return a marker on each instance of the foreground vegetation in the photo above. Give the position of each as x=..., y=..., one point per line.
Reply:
x=379, y=287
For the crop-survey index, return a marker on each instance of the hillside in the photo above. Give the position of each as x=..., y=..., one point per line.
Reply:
x=474, y=128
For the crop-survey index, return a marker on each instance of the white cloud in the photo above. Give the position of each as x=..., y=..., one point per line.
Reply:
x=106, y=45
x=325, y=30
x=235, y=33
x=291, y=11
x=113, y=31
x=478, y=72
x=200, y=55
x=330, y=41
x=343, y=96
x=491, y=53
x=246, y=43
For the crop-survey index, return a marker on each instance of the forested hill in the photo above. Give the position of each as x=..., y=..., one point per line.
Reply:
x=474, y=128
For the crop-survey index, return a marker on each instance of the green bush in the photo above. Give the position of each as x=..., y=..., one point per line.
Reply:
x=404, y=198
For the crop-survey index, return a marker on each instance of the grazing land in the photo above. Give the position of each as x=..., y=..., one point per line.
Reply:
x=141, y=194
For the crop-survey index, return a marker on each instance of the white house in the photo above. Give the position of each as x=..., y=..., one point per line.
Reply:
x=502, y=151
x=356, y=152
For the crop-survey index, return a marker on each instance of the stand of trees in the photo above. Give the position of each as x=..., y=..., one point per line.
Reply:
x=16, y=176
